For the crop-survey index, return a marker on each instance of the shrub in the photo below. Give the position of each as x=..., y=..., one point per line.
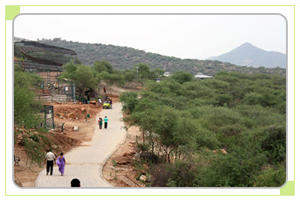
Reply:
x=271, y=177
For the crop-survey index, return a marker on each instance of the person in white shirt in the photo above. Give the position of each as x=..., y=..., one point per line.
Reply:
x=100, y=102
x=50, y=160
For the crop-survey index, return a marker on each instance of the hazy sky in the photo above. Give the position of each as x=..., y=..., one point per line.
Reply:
x=183, y=36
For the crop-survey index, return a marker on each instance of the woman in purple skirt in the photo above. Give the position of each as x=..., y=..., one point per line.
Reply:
x=60, y=162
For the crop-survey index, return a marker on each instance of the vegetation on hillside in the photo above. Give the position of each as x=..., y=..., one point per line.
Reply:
x=126, y=57
x=26, y=108
x=28, y=115
x=188, y=124
x=88, y=77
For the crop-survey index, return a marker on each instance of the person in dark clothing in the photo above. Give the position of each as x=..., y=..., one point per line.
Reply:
x=105, y=122
x=50, y=159
x=110, y=102
x=75, y=183
x=100, y=123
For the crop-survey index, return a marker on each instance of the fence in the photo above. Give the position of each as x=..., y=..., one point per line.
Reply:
x=49, y=117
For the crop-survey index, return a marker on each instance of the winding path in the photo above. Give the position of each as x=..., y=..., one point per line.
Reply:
x=85, y=162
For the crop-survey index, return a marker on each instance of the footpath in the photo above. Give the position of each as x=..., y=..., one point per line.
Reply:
x=86, y=161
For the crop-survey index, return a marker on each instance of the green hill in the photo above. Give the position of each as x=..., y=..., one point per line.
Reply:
x=126, y=58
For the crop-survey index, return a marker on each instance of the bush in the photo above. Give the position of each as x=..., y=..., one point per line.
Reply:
x=271, y=177
x=129, y=100
x=182, y=174
x=35, y=138
x=160, y=174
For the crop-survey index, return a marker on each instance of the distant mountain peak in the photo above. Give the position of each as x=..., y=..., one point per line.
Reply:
x=247, y=44
x=249, y=55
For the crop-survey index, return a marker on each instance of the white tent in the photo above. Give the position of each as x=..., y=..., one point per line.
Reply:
x=201, y=76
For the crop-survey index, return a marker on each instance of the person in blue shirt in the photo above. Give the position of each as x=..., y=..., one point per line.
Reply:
x=105, y=122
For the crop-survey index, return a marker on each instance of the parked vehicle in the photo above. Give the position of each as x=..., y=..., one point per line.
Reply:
x=106, y=105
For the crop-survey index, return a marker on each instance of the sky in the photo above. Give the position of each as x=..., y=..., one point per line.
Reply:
x=183, y=36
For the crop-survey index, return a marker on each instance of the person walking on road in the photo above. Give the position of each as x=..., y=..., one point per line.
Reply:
x=75, y=183
x=105, y=122
x=100, y=102
x=104, y=89
x=100, y=122
x=110, y=102
x=60, y=162
x=50, y=159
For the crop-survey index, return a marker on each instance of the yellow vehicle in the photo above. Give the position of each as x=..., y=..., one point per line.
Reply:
x=106, y=105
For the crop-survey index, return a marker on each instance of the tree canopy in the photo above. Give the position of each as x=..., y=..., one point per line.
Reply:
x=189, y=121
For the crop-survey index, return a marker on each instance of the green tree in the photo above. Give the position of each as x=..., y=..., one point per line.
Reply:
x=143, y=70
x=100, y=66
x=181, y=76
x=129, y=100
x=130, y=75
x=112, y=78
x=84, y=78
x=26, y=108
x=69, y=70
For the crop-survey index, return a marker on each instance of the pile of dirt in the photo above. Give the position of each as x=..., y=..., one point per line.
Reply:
x=26, y=172
x=73, y=111
x=120, y=169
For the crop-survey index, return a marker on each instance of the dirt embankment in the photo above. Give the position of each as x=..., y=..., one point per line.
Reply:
x=71, y=115
x=119, y=169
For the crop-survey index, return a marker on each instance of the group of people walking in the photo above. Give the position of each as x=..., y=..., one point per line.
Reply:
x=100, y=122
x=50, y=158
x=60, y=162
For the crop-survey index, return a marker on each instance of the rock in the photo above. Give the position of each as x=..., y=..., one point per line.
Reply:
x=75, y=128
x=17, y=182
x=143, y=178
x=220, y=150
x=223, y=151
x=93, y=102
x=137, y=156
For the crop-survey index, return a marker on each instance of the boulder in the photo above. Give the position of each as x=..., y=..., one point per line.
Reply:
x=143, y=178
x=93, y=102
x=220, y=150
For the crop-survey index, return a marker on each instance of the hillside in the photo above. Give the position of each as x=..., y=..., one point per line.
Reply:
x=126, y=58
x=249, y=55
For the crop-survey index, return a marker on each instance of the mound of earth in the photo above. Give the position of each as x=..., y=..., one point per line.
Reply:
x=73, y=115
x=120, y=169
x=26, y=172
